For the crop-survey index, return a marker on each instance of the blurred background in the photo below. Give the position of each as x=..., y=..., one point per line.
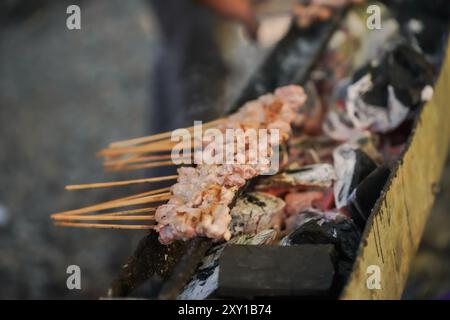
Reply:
x=65, y=94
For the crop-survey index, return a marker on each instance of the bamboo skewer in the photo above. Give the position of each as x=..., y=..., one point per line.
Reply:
x=139, y=153
x=160, y=146
x=143, y=166
x=140, y=158
x=105, y=218
x=165, y=136
x=142, y=194
x=127, y=212
x=119, y=183
x=116, y=204
x=119, y=214
x=186, y=141
x=105, y=226
x=136, y=196
x=155, y=137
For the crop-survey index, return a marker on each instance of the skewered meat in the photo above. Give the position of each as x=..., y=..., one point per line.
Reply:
x=200, y=201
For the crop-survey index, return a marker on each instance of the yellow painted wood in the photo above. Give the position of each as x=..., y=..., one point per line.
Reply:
x=393, y=233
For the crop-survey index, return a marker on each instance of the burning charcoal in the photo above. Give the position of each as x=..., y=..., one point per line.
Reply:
x=351, y=166
x=310, y=118
x=313, y=176
x=257, y=271
x=380, y=118
x=366, y=194
x=367, y=142
x=307, y=150
x=310, y=142
x=342, y=233
x=255, y=212
x=383, y=97
x=205, y=280
x=297, y=220
x=407, y=71
x=338, y=126
x=300, y=201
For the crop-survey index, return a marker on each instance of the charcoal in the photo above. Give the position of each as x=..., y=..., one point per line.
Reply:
x=205, y=281
x=432, y=17
x=311, y=176
x=403, y=68
x=407, y=71
x=338, y=126
x=276, y=271
x=147, y=290
x=151, y=259
x=352, y=166
x=366, y=194
x=363, y=167
x=185, y=268
x=343, y=234
x=254, y=212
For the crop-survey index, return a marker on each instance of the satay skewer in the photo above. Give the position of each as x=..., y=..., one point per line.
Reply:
x=105, y=226
x=143, y=166
x=120, y=183
x=123, y=214
x=128, y=212
x=104, y=218
x=138, y=158
x=159, y=136
x=116, y=204
x=156, y=147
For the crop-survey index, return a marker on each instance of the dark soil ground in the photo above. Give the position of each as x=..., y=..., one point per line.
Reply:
x=66, y=94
